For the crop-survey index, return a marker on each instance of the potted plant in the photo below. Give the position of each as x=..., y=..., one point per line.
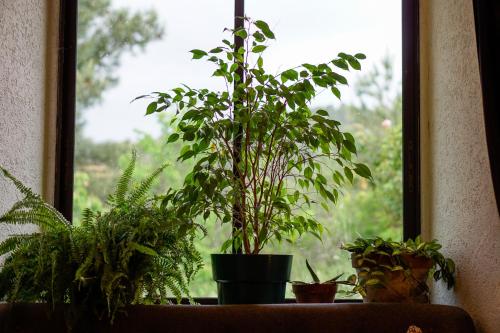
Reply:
x=258, y=149
x=398, y=271
x=136, y=252
x=317, y=291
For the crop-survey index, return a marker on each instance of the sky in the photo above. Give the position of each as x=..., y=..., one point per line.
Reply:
x=310, y=31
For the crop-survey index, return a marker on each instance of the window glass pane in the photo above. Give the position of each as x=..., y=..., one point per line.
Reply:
x=129, y=48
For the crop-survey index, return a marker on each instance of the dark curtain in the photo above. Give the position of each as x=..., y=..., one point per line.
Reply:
x=487, y=18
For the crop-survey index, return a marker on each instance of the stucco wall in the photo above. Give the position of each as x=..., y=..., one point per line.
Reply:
x=27, y=95
x=457, y=193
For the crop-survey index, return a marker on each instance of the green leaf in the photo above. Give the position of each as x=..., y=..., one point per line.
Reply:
x=352, y=278
x=185, y=149
x=349, y=137
x=290, y=74
x=151, y=108
x=188, y=136
x=372, y=282
x=313, y=274
x=363, y=170
x=360, y=56
x=354, y=63
x=308, y=173
x=321, y=179
x=242, y=33
x=258, y=36
x=216, y=50
x=323, y=113
x=260, y=62
x=336, y=92
x=451, y=265
x=142, y=249
x=350, y=146
x=348, y=174
x=233, y=67
x=173, y=137
x=264, y=27
x=340, y=63
x=341, y=79
x=259, y=48
x=226, y=245
x=198, y=54
x=335, y=278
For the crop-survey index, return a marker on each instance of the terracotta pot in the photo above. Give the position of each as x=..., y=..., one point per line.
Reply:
x=315, y=292
x=396, y=286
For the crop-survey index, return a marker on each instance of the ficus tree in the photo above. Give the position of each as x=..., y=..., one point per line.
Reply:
x=255, y=141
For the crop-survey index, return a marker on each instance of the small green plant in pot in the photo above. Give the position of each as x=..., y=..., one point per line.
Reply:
x=259, y=151
x=136, y=252
x=317, y=291
x=398, y=271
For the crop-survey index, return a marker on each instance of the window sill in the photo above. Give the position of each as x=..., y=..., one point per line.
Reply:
x=331, y=318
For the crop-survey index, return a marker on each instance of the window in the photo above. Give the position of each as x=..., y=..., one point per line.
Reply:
x=125, y=49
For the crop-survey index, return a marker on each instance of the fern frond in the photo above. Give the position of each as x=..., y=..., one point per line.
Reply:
x=85, y=266
x=124, y=181
x=139, y=192
x=15, y=241
x=58, y=216
x=87, y=216
x=32, y=207
x=19, y=185
x=38, y=218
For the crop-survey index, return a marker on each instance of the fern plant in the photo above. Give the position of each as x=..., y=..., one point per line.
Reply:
x=136, y=252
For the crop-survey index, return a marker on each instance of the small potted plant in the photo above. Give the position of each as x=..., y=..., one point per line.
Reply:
x=258, y=149
x=398, y=271
x=136, y=252
x=317, y=291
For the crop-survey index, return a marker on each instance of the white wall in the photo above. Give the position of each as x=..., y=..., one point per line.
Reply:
x=459, y=208
x=28, y=49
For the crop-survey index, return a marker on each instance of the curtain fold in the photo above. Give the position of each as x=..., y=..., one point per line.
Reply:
x=487, y=21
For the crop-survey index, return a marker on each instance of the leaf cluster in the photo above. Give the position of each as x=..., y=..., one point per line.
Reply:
x=254, y=142
x=376, y=256
x=135, y=252
x=351, y=280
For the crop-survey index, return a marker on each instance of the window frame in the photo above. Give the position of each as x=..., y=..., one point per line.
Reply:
x=411, y=119
x=65, y=131
x=66, y=108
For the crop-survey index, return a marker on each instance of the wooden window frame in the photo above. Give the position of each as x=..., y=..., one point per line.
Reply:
x=66, y=97
x=411, y=119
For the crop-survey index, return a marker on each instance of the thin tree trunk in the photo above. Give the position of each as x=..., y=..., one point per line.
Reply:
x=239, y=13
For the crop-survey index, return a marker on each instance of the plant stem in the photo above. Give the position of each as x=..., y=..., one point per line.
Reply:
x=239, y=13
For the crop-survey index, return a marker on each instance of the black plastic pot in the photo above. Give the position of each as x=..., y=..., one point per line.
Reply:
x=251, y=279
